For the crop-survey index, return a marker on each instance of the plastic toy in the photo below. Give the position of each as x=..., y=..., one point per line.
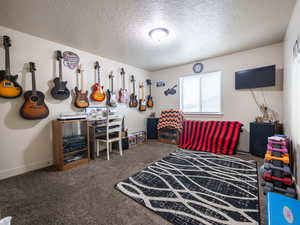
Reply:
x=277, y=148
x=278, y=140
x=276, y=171
x=278, y=143
x=270, y=187
x=272, y=166
x=285, y=180
x=284, y=157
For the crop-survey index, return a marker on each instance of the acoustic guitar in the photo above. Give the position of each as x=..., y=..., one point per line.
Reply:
x=81, y=99
x=142, y=101
x=123, y=93
x=111, y=95
x=60, y=90
x=9, y=88
x=34, y=107
x=149, y=97
x=133, y=99
x=98, y=94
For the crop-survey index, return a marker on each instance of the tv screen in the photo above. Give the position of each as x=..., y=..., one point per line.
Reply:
x=255, y=78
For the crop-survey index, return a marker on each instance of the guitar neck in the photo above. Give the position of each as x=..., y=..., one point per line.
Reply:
x=33, y=82
x=98, y=73
x=142, y=92
x=7, y=61
x=82, y=83
x=150, y=89
x=60, y=69
x=123, y=79
x=133, y=87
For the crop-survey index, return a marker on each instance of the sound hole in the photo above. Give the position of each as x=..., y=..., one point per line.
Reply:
x=34, y=98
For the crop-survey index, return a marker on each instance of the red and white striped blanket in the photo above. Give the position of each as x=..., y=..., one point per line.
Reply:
x=219, y=137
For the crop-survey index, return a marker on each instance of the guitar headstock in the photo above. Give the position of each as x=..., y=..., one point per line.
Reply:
x=32, y=67
x=141, y=85
x=80, y=68
x=149, y=82
x=97, y=65
x=111, y=75
x=132, y=78
x=6, y=41
x=58, y=55
x=122, y=71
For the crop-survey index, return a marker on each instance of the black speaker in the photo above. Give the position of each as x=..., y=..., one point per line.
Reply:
x=259, y=133
x=152, y=128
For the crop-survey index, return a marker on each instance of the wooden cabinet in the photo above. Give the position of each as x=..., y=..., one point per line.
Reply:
x=70, y=143
x=168, y=135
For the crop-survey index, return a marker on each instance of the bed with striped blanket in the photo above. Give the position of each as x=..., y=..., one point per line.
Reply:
x=219, y=137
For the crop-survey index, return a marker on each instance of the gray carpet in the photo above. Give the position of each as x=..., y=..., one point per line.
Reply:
x=84, y=195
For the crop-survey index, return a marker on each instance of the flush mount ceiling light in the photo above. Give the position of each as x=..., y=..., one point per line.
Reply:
x=159, y=34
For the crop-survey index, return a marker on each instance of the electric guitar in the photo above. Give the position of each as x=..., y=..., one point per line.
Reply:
x=142, y=102
x=170, y=91
x=9, y=88
x=81, y=99
x=123, y=93
x=98, y=94
x=111, y=95
x=149, y=97
x=34, y=107
x=60, y=90
x=133, y=99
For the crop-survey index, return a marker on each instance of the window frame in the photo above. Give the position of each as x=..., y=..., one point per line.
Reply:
x=200, y=80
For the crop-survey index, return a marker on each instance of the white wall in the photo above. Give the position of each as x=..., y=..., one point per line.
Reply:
x=26, y=145
x=292, y=85
x=237, y=104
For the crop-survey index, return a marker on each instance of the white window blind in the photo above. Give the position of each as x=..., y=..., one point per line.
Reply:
x=201, y=93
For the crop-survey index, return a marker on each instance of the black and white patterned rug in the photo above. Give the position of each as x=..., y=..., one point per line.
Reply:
x=192, y=188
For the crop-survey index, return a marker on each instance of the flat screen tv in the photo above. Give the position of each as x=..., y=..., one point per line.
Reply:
x=255, y=78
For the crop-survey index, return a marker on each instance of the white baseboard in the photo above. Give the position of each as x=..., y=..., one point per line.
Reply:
x=297, y=187
x=298, y=191
x=24, y=169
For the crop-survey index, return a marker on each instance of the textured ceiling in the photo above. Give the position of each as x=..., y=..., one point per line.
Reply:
x=118, y=29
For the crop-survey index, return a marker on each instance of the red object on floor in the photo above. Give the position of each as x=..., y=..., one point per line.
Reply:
x=219, y=137
x=286, y=180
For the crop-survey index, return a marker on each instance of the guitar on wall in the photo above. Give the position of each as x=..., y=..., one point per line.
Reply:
x=123, y=93
x=81, y=99
x=60, y=90
x=9, y=88
x=34, y=107
x=142, y=101
x=149, y=97
x=111, y=95
x=98, y=94
x=170, y=91
x=133, y=99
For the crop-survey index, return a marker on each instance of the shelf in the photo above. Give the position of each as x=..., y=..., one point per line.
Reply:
x=59, y=131
x=75, y=163
x=74, y=152
x=71, y=120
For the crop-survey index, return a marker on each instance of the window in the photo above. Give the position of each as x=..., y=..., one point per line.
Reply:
x=201, y=93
